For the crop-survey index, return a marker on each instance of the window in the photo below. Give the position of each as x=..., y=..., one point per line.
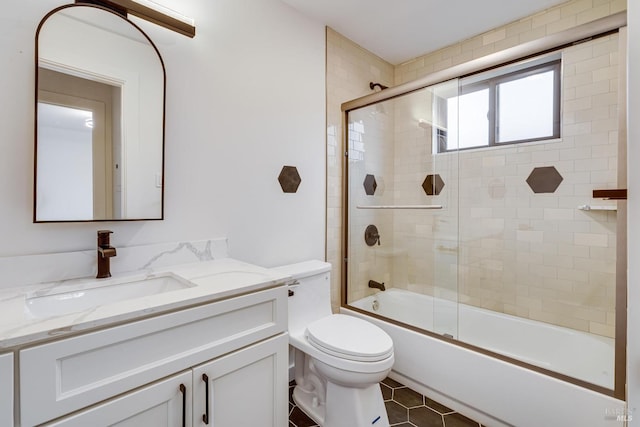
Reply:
x=514, y=104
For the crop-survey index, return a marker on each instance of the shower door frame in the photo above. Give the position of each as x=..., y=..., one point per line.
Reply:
x=611, y=24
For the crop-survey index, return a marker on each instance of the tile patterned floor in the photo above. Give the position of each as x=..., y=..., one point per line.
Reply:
x=405, y=408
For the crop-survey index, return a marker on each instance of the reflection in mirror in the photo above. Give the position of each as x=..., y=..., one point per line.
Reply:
x=100, y=118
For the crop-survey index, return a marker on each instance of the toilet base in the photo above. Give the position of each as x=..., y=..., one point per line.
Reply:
x=345, y=406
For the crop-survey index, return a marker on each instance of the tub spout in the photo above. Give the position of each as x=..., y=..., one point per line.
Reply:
x=376, y=285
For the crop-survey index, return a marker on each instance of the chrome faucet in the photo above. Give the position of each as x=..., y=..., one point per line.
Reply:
x=376, y=285
x=105, y=251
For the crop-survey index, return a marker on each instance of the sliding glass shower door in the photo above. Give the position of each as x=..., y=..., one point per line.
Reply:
x=402, y=211
x=473, y=212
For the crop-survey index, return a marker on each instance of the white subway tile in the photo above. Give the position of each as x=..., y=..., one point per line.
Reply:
x=591, y=239
x=551, y=214
x=529, y=236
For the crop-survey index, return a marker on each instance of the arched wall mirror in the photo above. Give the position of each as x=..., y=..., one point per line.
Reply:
x=99, y=137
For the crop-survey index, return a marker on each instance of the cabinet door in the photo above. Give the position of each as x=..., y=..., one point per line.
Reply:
x=71, y=374
x=166, y=403
x=6, y=389
x=245, y=388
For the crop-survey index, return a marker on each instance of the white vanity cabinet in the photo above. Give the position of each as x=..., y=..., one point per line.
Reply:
x=136, y=369
x=163, y=403
x=244, y=388
x=6, y=389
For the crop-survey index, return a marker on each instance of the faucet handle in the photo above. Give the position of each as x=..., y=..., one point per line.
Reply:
x=103, y=237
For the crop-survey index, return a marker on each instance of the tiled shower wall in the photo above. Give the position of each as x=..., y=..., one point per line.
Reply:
x=537, y=255
x=533, y=255
x=350, y=68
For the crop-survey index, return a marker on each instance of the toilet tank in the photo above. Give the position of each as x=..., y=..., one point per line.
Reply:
x=310, y=296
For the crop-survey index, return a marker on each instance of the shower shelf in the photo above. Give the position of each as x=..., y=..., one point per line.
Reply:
x=400, y=207
x=597, y=208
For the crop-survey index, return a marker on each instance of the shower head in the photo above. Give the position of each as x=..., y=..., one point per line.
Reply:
x=373, y=85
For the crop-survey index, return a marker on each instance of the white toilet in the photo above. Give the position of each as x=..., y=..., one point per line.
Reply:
x=339, y=359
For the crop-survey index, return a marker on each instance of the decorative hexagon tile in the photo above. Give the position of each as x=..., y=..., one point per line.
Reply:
x=289, y=179
x=544, y=179
x=370, y=185
x=433, y=185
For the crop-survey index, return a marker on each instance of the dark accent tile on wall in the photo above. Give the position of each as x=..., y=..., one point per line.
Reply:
x=289, y=179
x=433, y=185
x=370, y=185
x=544, y=179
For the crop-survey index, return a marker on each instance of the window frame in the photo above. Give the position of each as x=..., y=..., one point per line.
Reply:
x=492, y=83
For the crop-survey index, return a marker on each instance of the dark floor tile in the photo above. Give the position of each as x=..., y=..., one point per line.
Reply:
x=387, y=392
x=392, y=383
x=425, y=417
x=396, y=413
x=399, y=416
x=407, y=397
x=300, y=419
x=459, y=420
x=439, y=407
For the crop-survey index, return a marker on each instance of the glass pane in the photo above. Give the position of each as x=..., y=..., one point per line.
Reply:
x=394, y=174
x=514, y=262
x=467, y=120
x=526, y=108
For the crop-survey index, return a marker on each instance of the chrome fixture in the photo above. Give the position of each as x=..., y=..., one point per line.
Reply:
x=376, y=285
x=105, y=251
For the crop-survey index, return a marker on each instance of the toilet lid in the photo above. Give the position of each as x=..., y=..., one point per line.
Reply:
x=350, y=337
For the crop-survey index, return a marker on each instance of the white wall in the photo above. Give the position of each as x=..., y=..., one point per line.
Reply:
x=244, y=98
x=633, y=212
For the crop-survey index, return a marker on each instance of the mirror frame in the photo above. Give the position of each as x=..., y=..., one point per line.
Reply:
x=122, y=15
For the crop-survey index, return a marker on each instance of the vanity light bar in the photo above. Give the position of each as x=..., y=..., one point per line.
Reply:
x=152, y=12
x=166, y=11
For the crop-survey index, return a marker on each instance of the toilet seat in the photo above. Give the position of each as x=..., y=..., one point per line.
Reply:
x=350, y=338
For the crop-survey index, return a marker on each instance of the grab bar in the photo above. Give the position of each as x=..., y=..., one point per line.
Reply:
x=400, y=207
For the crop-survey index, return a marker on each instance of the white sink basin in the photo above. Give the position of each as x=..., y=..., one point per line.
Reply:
x=68, y=299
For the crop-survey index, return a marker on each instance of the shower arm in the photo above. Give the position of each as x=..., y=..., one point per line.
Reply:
x=373, y=85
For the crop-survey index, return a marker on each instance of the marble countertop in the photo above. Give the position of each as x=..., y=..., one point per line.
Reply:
x=204, y=282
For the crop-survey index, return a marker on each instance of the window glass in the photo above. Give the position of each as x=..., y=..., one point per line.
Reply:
x=514, y=104
x=526, y=108
x=467, y=116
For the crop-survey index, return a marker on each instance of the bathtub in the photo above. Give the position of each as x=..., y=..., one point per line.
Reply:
x=479, y=385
